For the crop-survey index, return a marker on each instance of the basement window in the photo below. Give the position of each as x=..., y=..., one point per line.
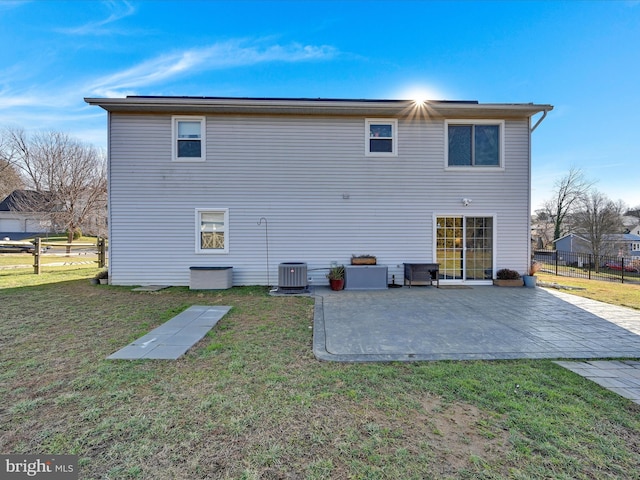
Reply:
x=212, y=230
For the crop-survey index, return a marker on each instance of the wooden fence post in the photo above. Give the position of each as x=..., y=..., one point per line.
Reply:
x=102, y=252
x=36, y=256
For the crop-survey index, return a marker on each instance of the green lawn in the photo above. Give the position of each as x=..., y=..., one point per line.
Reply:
x=250, y=400
x=626, y=295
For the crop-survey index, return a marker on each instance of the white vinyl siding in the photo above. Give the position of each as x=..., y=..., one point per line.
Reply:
x=323, y=201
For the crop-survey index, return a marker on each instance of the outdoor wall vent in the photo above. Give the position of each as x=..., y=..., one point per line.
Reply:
x=292, y=276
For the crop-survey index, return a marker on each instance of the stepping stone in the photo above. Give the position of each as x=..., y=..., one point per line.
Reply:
x=172, y=339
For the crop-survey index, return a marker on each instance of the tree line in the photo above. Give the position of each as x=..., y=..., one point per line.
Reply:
x=56, y=178
x=578, y=207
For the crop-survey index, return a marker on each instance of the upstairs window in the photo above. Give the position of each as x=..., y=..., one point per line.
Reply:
x=188, y=138
x=381, y=137
x=474, y=144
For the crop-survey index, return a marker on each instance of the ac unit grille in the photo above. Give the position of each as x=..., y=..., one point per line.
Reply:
x=292, y=275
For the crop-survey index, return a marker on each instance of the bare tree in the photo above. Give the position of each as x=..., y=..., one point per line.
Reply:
x=543, y=224
x=10, y=179
x=634, y=212
x=597, y=219
x=69, y=176
x=568, y=192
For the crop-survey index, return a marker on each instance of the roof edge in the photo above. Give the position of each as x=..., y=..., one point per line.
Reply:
x=318, y=106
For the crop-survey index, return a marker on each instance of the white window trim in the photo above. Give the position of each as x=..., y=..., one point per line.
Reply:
x=454, y=213
x=174, y=138
x=394, y=137
x=474, y=168
x=212, y=251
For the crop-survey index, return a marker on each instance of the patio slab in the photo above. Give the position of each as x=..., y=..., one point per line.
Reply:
x=480, y=323
x=172, y=339
x=484, y=322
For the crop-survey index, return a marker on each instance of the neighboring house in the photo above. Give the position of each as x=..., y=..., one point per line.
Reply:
x=15, y=221
x=632, y=244
x=200, y=181
x=619, y=244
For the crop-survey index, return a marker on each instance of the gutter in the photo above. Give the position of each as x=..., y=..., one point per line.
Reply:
x=346, y=107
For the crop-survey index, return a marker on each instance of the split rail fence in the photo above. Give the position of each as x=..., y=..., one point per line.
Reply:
x=101, y=245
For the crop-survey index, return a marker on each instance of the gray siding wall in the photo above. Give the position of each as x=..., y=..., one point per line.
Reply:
x=294, y=171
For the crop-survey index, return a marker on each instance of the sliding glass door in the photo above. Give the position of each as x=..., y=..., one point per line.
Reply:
x=464, y=247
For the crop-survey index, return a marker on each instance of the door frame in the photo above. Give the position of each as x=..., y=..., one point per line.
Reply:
x=464, y=215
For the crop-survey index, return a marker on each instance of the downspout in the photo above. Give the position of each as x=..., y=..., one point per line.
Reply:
x=544, y=114
x=529, y=252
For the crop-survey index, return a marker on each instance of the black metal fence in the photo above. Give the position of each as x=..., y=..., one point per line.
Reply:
x=586, y=265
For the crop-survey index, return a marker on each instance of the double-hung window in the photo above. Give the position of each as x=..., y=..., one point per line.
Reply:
x=381, y=137
x=188, y=139
x=474, y=143
x=212, y=227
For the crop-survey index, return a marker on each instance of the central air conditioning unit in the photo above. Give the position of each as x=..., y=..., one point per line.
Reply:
x=292, y=277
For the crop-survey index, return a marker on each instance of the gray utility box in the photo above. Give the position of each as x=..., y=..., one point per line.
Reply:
x=365, y=277
x=211, y=278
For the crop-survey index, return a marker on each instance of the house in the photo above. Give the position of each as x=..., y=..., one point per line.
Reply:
x=252, y=182
x=16, y=221
x=617, y=244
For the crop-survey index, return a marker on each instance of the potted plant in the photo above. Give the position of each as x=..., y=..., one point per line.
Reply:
x=336, y=277
x=102, y=277
x=530, y=278
x=363, y=260
x=508, y=278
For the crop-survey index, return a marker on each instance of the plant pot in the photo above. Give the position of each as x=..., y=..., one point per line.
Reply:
x=529, y=280
x=508, y=283
x=104, y=281
x=363, y=260
x=336, y=284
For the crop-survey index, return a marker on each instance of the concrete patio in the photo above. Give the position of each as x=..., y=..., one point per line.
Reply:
x=480, y=323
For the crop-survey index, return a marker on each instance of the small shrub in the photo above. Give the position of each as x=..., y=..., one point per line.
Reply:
x=102, y=275
x=506, y=274
x=77, y=233
x=336, y=273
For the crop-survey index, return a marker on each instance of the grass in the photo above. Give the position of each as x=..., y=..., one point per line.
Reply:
x=251, y=402
x=624, y=294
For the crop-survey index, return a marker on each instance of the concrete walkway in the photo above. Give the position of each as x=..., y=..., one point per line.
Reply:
x=477, y=323
x=172, y=339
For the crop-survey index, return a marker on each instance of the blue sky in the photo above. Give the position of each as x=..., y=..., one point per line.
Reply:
x=583, y=57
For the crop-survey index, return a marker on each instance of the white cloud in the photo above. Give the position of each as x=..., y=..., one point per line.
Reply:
x=11, y=101
x=119, y=10
x=10, y=4
x=220, y=55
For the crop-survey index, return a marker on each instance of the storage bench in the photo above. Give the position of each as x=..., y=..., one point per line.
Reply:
x=210, y=278
x=365, y=277
x=422, y=272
